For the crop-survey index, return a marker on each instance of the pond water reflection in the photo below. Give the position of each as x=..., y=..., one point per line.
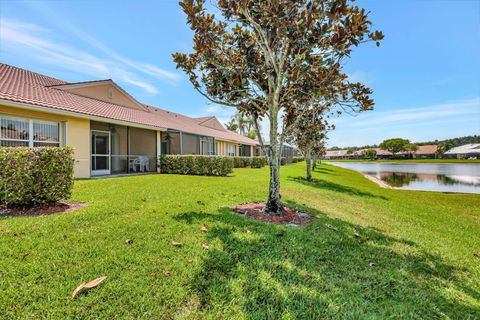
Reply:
x=445, y=177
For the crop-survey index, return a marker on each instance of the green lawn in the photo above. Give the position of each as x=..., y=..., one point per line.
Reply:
x=409, y=160
x=416, y=254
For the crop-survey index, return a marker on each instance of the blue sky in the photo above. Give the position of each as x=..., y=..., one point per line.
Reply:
x=425, y=76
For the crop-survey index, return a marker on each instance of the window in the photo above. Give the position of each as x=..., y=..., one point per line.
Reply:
x=46, y=134
x=231, y=150
x=18, y=132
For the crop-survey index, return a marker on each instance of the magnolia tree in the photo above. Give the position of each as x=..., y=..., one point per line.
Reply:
x=309, y=133
x=318, y=151
x=266, y=58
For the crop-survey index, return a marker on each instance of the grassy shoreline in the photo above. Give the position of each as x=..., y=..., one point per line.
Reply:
x=409, y=160
x=371, y=252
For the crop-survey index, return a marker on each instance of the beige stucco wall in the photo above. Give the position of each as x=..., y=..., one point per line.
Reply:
x=223, y=147
x=100, y=92
x=77, y=135
x=213, y=123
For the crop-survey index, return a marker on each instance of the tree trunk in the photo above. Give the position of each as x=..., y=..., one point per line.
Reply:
x=314, y=162
x=308, y=160
x=274, y=205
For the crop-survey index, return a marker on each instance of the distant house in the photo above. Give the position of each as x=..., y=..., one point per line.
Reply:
x=336, y=154
x=426, y=152
x=466, y=151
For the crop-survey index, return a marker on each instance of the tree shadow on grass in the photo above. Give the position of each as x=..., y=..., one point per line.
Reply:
x=332, y=186
x=323, y=170
x=329, y=269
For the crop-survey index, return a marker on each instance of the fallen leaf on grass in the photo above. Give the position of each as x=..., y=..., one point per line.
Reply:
x=204, y=228
x=307, y=277
x=357, y=235
x=205, y=246
x=371, y=264
x=248, y=232
x=477, y=255
x=25, y=255
x=128, y=241
x=167, y=273
x=329, y=226
x=18, y=234
x=190, y=261
x=88, y=285
x=177, y=244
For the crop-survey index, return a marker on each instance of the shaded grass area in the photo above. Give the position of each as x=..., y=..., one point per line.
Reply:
x=372, y=252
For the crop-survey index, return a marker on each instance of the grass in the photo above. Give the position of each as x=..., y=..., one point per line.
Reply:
x=372, y=253
x=408, y=160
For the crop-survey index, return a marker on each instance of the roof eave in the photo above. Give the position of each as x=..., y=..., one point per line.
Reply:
x=34, y=107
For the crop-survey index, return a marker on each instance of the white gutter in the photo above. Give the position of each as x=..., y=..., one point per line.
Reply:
x=33, y=107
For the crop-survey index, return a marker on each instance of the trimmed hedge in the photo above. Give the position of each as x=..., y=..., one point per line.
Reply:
x=196, y=165
x=249, y=162
x=38, y=175
x=297, y=159
x=258, y=162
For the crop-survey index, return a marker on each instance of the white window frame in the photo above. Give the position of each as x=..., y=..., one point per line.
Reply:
x=30, y=140
x=108, y=156
x=229, y=151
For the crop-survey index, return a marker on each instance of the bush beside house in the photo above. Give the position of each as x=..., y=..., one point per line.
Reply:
x=196, y=165
x=32, y=176
x=297, y=159
x=249, y=162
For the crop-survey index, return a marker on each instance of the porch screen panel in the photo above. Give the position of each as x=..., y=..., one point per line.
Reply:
x=190, y=143
x=119, y=148
x=171, y=142
x=143, y=143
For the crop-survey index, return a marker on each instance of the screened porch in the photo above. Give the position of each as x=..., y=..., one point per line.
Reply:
x=117, y=149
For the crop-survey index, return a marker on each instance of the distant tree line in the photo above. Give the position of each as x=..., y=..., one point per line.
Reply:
x=443, y=144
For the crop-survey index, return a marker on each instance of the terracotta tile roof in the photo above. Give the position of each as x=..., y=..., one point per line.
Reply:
x=336, y=153
x=202, y=119
x=428, y=149
x=19, y=85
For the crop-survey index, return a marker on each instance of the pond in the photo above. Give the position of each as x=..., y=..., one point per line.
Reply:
x=441, y=177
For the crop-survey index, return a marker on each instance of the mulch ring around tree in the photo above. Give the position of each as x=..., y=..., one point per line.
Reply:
x=40, y=210
x=289, y=217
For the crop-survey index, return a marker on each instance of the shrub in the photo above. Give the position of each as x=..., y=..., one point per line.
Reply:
x=249, y=162
x=258, y=162
x=31, y=176
x=283, y=161
x=297, y=159
x=196, y=165
x=241, y=162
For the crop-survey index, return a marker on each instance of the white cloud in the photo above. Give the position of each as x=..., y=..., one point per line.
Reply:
x=37, y=43
x=455, y=118
x=407, y=116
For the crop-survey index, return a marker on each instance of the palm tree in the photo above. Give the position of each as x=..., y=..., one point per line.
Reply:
x=242, y=124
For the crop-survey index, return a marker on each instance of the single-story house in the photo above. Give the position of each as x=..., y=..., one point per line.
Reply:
x=426, y=152
x=336, y=154
x=464, y=152
x=111, y=132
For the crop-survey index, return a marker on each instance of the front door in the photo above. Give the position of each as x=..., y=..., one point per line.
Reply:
x=100, y=152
